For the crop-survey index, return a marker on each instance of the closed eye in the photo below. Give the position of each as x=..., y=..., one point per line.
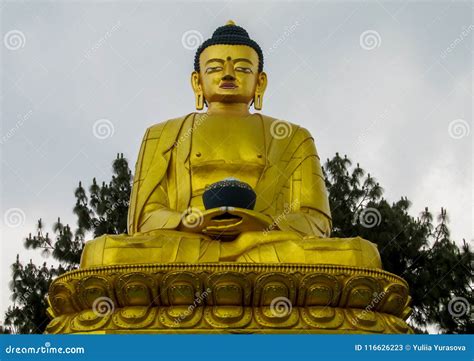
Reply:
x=243, y=69
x=213, y=69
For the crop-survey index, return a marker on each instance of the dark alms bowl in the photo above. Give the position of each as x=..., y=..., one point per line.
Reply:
x=229, y=192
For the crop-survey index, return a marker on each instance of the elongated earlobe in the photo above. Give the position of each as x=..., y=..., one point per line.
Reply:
x=258, y=101
x=261, y=86
x=198, y=93
x=199, y=101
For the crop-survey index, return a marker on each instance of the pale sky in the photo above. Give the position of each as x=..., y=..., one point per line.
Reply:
x=387, y=83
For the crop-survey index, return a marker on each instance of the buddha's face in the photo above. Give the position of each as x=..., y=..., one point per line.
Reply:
x=229, y=74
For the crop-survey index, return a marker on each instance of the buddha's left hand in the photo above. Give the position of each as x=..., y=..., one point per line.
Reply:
x=246, y=221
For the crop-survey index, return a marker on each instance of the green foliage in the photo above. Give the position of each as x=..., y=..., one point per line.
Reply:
x=104, y=211
x=438, y=272
x=29, y=286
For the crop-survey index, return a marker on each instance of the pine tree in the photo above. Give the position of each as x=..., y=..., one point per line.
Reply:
x=103, y=211
x=439, y=273
x=29, y=286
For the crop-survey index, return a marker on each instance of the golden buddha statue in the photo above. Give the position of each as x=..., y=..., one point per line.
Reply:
x=180, y=157
x=284, y=238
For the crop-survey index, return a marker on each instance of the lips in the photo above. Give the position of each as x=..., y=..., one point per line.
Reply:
x=228, y=86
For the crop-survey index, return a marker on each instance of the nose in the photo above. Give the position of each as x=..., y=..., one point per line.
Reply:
x=229, y=73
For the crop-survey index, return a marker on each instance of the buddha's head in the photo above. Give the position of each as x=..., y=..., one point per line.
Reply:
x=228, y=68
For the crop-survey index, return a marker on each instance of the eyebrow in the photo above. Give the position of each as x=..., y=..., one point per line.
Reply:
x=243, y=59
x=213, y=60
x=235, y=61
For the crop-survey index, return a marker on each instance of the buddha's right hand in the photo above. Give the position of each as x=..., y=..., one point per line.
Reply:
x=195, y=220
x=240, y=220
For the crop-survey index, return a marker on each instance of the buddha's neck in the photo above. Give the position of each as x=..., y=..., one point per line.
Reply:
x=235, y=109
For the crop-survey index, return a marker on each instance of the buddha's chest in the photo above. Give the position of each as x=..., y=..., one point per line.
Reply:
x=226, y=148
x=228, y=141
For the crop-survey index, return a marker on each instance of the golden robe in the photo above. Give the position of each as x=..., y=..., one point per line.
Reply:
x=290, y=189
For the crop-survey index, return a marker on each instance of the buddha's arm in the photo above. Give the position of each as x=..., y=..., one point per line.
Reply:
x=305, y=196
x=156, y=214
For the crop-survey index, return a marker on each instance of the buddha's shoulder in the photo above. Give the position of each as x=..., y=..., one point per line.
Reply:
x=156, y=130
x=282, y=126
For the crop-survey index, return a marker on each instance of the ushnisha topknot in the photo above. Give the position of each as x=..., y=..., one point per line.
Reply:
x=229, y=34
